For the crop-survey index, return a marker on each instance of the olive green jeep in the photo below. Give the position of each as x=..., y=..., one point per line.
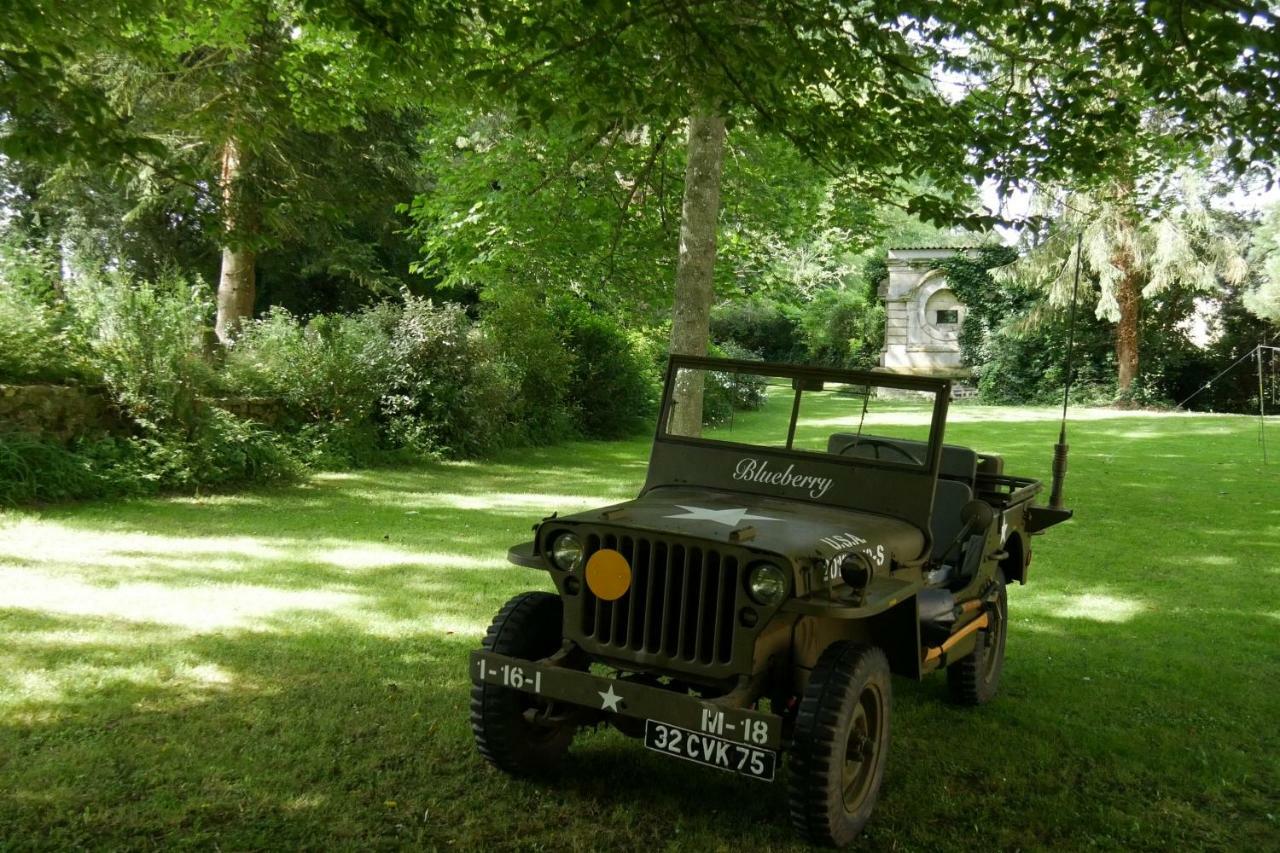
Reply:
x=755, y=598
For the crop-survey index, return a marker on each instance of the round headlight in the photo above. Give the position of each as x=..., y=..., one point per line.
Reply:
x=767, y=584
x=566, y=551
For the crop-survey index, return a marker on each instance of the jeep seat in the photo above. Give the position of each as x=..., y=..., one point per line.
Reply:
x=958, y=463
x=956, y=474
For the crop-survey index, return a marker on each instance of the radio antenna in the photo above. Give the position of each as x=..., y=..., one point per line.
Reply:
x=1060, y=449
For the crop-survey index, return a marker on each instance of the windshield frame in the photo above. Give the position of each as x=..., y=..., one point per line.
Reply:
x=881, y=487
x=939, y=388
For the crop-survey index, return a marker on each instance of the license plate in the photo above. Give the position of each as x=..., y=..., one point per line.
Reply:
x=710, y=750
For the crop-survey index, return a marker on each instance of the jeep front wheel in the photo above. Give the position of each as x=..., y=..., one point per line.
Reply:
x=513, y=730
x=841, y=744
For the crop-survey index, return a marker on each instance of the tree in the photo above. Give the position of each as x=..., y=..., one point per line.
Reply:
x=1263, y=299
x=1136, y=242
x=229, y=103
x=695, y=271
x=791, y=71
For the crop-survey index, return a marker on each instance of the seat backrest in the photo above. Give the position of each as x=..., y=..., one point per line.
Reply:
x=949, y=498
x=959, y=463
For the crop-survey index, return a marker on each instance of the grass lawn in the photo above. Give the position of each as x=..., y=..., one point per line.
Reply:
x=286, y=668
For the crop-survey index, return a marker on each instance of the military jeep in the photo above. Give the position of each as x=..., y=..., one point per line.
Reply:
x=802, y=534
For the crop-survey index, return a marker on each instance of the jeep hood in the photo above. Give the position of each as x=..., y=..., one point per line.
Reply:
x=790, y=528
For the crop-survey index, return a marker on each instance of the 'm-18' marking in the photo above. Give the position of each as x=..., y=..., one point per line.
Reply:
x=753, y=731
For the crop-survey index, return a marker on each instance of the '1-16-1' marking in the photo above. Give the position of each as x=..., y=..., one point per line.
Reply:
x=512, y=676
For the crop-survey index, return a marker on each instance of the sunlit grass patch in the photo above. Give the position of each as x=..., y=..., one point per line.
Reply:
x=1095, y=607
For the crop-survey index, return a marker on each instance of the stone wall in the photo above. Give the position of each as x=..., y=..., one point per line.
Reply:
x=63, y=412
x=264, y=410
x=57, y=412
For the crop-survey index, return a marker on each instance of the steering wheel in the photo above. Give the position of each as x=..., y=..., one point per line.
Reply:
x=880, y=442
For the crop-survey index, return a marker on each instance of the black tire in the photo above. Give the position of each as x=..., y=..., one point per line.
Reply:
x=529, y=627
x=841, y=744
x=975, y=678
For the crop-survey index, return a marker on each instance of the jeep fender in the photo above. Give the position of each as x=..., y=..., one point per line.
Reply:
x=896, y=631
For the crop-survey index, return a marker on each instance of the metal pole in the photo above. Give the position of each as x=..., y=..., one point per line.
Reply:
x=1061, y=449
x=1262, y=409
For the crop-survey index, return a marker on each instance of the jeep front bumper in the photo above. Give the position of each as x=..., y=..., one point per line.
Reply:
x=607, y=696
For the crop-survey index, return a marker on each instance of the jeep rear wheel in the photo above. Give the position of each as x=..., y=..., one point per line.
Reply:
x=841, y=744
x=975, y=678
x=512, y=728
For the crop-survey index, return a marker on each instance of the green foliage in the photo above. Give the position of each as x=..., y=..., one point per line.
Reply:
x=146, y=340
x=332, y=369
x=534, y=355
x=32, y=470
x=726, y=393
x=843, y=328
x=760, y=325
x=1015, y=344
x=34, y=343
x=1263, y=296
x=449, y=392
x=217, y=449
x=222, y=450
x=613, y=388
x=554, y=209
x=1022, y=363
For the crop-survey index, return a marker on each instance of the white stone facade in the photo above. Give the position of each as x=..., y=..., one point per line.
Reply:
x=923, y=316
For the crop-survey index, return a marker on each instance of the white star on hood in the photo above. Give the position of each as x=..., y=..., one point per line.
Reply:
x=728, y=517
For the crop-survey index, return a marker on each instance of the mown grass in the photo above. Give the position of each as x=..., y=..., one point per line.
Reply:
x=287, y=668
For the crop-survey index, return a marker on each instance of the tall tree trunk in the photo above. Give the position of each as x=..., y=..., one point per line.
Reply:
x=236, y=281
x=695, y=268
x=1129, y=297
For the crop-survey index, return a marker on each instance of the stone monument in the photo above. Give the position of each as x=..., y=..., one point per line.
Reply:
x=922, y=314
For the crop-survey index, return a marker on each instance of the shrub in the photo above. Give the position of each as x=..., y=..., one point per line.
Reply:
x=146, y=340
x=333, y=369
x=843, y=327
x=34, y=344
x=448, y=393
x=1022, y=363
x=612, y=387
x=533, y=355
x=761, y=326
x=34, y=470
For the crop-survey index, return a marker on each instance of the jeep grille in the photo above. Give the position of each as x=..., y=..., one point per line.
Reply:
x=680, y=609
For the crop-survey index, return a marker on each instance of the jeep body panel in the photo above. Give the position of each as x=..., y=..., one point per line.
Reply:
x=791, y=531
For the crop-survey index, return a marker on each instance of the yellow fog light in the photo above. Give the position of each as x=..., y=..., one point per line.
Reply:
x=608, y=574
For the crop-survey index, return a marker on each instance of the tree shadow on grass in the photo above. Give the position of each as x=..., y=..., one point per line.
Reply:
x=314, y=731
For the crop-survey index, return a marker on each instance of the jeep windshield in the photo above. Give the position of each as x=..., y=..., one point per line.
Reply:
x=862, y=418
x=862, y=440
